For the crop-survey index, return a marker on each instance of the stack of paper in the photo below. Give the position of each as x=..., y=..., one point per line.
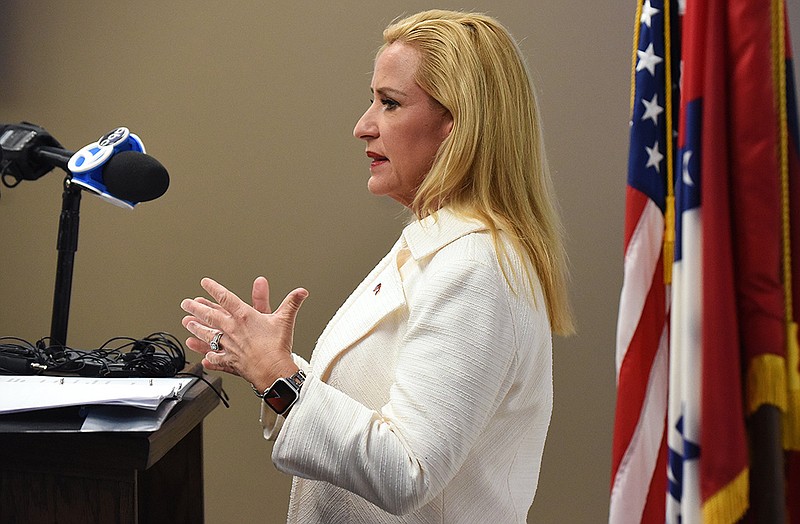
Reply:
x=110, y=404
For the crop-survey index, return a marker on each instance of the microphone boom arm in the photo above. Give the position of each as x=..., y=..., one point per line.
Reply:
x=54, y=156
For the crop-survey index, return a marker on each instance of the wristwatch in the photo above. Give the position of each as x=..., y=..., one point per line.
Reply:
x=283, y=393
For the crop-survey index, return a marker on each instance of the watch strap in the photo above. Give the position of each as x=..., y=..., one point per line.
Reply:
x=283, y=393
x=297, y=379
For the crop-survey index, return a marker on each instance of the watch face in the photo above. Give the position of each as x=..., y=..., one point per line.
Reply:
x=281, y=396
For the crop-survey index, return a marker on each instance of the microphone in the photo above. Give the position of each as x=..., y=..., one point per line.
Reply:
x=28, y=152
x=134, y=178
x=115, y=168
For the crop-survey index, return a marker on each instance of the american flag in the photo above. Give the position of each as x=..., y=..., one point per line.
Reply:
x=639, y=481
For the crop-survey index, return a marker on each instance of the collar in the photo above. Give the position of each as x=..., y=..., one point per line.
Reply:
x=432, y=233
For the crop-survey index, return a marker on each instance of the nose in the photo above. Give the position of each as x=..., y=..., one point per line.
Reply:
x=366, y=127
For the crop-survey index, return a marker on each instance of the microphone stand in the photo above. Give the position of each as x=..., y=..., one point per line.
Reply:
x=53, y=156
x=67, y=245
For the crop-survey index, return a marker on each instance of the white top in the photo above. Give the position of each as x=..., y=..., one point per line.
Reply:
x=428, y=395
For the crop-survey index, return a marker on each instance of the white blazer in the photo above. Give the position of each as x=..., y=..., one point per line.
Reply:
x=428, y=395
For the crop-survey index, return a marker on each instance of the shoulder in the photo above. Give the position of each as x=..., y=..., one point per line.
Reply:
x=473, y=252
x=464, y=247
x=465, y=270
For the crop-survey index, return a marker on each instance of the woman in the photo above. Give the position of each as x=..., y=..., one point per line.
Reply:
x=429, y=394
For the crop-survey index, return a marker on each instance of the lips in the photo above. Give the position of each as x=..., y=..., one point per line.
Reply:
x=377, y=159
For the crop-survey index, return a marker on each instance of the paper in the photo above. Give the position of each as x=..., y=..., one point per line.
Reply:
x=29, y=393
x=124, y=418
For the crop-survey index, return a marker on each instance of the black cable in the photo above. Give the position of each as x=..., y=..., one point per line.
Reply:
x=221, y=393
x=5, y=175
x=157, y=355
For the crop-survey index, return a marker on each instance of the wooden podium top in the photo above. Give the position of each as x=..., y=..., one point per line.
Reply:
x=59, y=444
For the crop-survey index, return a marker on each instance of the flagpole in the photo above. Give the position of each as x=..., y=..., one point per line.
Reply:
x=767, y=490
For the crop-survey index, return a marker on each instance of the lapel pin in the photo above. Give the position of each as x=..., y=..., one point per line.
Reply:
x=377, y=288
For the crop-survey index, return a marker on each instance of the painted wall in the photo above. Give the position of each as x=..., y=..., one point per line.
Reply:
x=250, y=105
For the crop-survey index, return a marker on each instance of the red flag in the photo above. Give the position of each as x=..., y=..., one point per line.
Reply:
x=732, y=70
x=723, y=459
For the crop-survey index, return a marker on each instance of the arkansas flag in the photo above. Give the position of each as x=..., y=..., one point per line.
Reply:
x=733, y=396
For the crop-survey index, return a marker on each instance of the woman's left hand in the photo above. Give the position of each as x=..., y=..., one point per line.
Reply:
x=256, y=343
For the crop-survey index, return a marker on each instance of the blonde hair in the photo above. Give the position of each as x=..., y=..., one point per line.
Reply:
x=492, y=166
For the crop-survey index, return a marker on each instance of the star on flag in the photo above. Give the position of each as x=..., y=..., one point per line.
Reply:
x=648, y=60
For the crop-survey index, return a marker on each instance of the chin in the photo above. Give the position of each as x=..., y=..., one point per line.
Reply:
x=376, y=186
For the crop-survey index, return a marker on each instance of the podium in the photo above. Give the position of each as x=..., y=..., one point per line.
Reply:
x=59, y=475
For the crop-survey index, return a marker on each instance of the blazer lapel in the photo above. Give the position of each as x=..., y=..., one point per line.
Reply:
x=377, y=296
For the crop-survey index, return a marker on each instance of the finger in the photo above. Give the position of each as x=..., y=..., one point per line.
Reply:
x=219, y=362
x=216, y=363
x=187, y=319
x=201, y=332
x=197, y=345
x=191, y=318
x=215, y=359
x=225, y=298
x=291, y=304
x=206, y=302
x=205, y=314
x=210, y=366
x=261, y=295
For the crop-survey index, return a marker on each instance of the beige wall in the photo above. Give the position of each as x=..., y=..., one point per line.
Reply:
x=250, y=105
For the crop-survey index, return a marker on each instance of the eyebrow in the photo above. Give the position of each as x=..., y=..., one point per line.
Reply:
x=388, y=91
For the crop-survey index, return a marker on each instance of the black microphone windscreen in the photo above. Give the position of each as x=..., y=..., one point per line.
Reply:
x=134, y=176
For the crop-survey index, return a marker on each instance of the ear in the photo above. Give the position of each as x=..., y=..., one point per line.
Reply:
x=447, y=125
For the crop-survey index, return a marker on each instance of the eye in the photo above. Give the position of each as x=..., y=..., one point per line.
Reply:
x=389, y=104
